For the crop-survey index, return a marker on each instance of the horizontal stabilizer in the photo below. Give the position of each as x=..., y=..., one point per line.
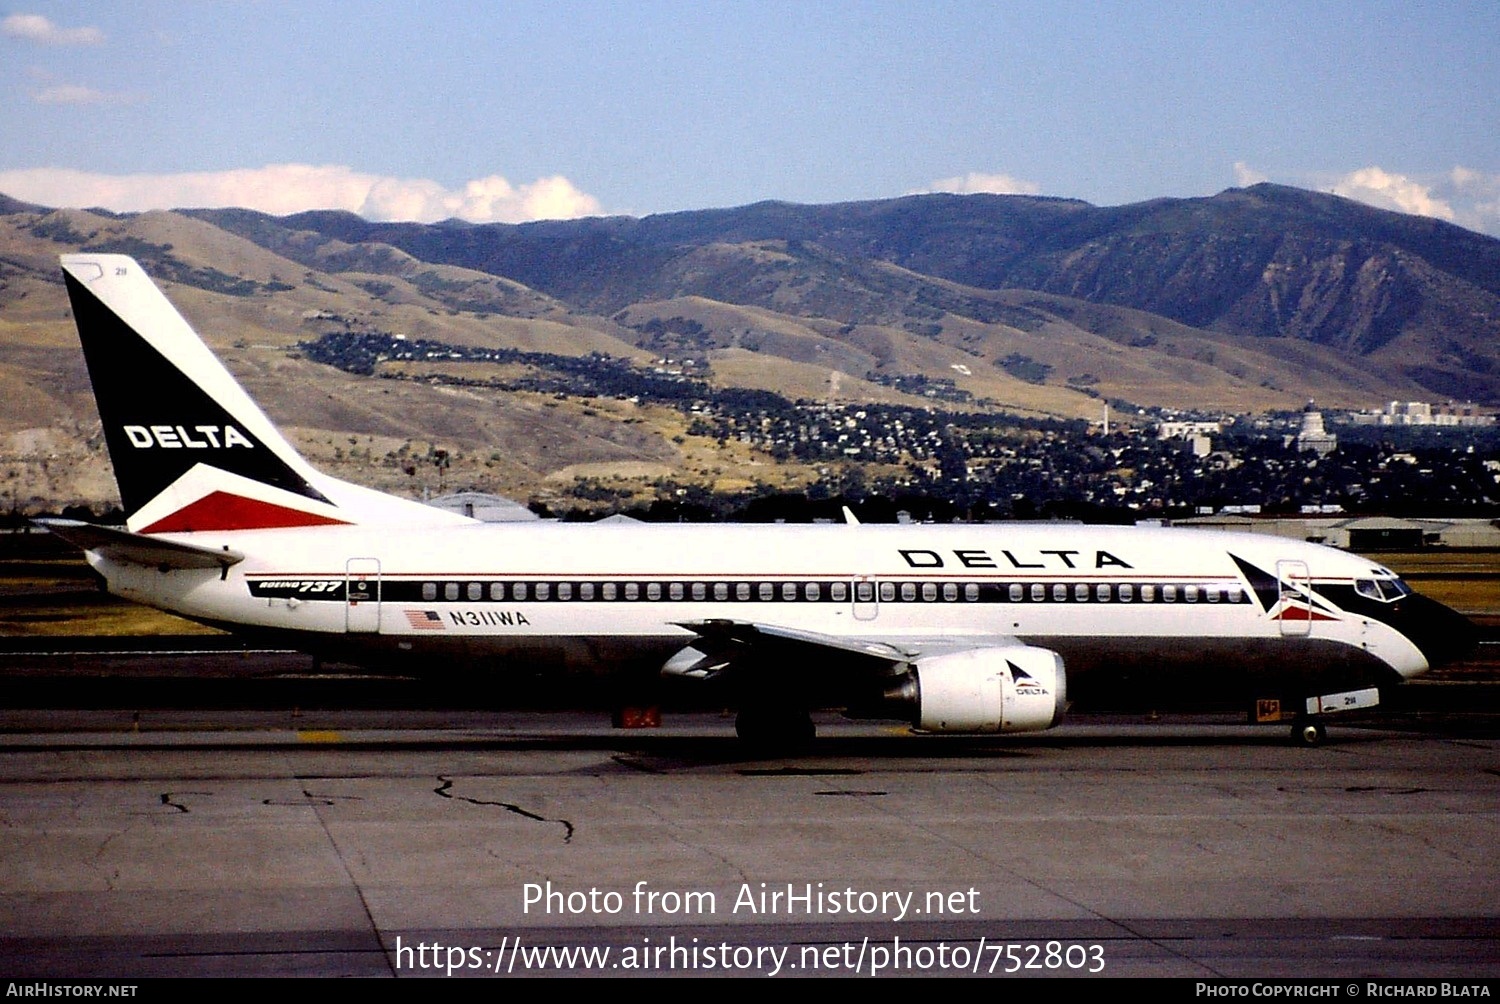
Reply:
x=139, y=549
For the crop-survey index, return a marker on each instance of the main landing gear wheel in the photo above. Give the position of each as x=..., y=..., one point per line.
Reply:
x=775, y=730
x=1309, y=734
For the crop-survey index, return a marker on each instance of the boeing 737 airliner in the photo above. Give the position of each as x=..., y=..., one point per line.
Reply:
x=959, y=628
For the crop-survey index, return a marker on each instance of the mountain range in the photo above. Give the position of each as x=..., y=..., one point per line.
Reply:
x=1252, y=299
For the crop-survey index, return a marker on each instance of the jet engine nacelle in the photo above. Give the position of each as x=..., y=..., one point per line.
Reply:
x=987, y=690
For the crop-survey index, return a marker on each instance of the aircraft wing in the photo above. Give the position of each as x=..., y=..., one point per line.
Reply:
x=981, y=683
x=139, y=548
x=721, y=642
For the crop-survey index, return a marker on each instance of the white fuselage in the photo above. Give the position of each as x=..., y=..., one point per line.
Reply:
x=1098, y=595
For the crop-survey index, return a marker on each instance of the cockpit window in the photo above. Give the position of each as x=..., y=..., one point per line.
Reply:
x=1385, y=586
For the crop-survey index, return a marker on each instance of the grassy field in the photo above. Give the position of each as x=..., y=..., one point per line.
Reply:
x=60, y=598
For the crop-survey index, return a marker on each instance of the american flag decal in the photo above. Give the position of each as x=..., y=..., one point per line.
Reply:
x=424, y=620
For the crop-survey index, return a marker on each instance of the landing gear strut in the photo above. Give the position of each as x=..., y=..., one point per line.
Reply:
x=774, y=730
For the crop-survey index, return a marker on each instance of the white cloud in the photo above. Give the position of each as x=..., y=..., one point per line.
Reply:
x=1376, y=187
x=976, y=182
x=74, y=94
x=1465, y=176
x=1245, y=175
x=1477, y=195
x=1463, y=195
x=36, y=28
x=49, y=89
x=280, y=189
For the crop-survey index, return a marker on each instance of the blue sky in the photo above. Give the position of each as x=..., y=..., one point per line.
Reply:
x=521, y=110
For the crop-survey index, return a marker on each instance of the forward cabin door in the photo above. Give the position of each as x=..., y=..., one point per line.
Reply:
x=362, y=595
x=1292, y=582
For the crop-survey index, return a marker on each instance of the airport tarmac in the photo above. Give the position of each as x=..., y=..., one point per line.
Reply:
x=380, y=842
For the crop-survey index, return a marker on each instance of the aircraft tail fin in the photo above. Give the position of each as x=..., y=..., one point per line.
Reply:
x=191, y=450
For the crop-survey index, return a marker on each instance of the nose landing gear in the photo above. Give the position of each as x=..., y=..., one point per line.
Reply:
x=1309, y=734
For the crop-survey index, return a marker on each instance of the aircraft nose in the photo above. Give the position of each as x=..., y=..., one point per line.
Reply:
x=1444, y=635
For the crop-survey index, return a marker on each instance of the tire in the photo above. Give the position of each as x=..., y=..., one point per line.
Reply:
x=1309, y=734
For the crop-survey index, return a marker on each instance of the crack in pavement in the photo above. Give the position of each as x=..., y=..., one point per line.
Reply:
x=447, y=783
x=167, y=798
x=113, y=874
x=313, y=798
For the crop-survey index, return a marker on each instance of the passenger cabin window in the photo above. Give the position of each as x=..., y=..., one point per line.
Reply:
x=674, y=591
x=586, y=591
x=838, y=592
x=632, y=590
x=1016, y=592
x=1169, y=594
x=971, y=592
x=653, y=590
x=742, y=590
x=700, y=591
x=610, y=590
x=1038, y=592
x=1101, y=592
x=518, y=591
x=565, y=591
x=475, y=591
x=544, y=590
x=1081, y=592
x=721, y=590
x=1148, y=594
x=450, y=590
x=908, y=591
x=767, y=591
x=950, y=592
x=813, y=592
x=887, y=592
x=429, y=590
x=1127, y=592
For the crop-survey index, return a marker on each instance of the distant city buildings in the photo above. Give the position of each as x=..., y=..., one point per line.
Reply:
x=1451, y=413
x=1196, y=436
x=1181, y=430
x=975, y=464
